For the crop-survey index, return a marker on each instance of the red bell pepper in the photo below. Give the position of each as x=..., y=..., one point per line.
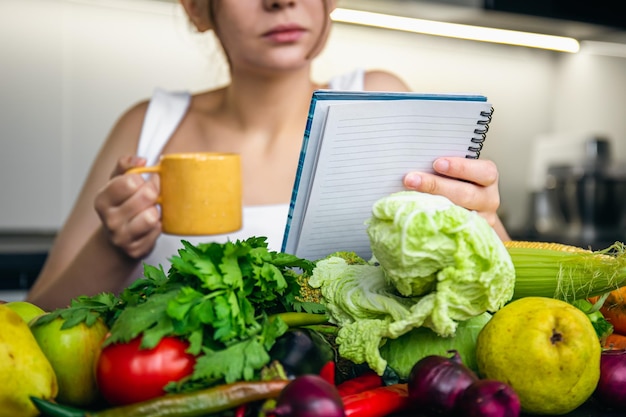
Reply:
x=328, y=372
x=364, y=382
x=377, y=402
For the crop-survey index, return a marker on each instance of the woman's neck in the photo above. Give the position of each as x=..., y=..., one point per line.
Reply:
x=269, y=103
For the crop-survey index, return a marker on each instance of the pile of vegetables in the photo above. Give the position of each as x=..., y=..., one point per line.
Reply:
x=249, y=327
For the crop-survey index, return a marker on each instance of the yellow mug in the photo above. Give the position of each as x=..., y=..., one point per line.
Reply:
x=200, y=192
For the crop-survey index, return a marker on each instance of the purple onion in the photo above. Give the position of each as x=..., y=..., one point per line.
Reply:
x=611, y=389
x=309, y=396
x=489, y=398
x=436, y=382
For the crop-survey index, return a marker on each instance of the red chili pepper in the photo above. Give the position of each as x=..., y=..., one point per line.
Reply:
x=377, y=402
x=364, y=382
x=328, y=372
x=240, y=411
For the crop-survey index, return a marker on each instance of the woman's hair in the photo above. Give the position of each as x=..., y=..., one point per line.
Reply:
x=211, y=12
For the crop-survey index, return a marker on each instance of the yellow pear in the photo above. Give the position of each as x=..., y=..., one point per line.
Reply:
x=546, y=350
x=24, y=369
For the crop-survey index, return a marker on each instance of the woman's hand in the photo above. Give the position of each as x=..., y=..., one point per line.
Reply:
x=470, y=183
x=127, y=208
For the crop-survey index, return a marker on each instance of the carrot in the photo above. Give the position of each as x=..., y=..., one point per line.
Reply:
x=614, y=309
x=615, y=341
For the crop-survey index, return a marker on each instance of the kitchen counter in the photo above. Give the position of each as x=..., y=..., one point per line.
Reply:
x=23, y=242
x=22, y=255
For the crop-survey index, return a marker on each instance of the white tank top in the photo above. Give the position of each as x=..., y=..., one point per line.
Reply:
x=165, y=112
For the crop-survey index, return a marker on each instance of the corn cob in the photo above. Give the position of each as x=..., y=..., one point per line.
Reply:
x=566, y=272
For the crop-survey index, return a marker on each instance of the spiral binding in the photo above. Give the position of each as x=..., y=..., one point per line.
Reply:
x=482, y=132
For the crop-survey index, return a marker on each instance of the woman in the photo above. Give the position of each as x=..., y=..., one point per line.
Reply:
x=261, y=115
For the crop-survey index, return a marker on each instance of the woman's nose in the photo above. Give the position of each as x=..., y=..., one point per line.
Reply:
x=278, y=4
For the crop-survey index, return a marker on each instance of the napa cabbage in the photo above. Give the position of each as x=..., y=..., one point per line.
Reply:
x=434, y=265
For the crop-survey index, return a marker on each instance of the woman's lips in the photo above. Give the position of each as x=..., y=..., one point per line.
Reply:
x=284, y=34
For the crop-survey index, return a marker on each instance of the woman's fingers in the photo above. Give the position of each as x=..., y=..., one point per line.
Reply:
x=472, y=184
x=119, y=189
x=133, y=225
x=477, y=171
x=134, y=217
x=462, y=193
x=127, y=162
x=140, y=234
x=127, y=208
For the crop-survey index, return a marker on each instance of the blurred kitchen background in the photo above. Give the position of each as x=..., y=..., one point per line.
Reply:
x=69, y=68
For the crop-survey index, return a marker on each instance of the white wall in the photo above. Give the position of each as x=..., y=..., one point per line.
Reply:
x=68, y=68
x=591, y=96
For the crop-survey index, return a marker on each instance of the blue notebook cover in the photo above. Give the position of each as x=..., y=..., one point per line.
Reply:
x=354, y=136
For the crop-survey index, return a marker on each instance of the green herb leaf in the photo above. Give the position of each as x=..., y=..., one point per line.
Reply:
x=149, y=318
x=243, y=360
x=84, y=309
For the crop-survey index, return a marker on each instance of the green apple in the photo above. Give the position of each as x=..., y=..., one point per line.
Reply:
x=72, y=353
x=27, y=311
x=546, y=349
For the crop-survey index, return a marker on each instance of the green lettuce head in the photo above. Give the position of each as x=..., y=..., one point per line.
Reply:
x=435, y=266
x=449, y=256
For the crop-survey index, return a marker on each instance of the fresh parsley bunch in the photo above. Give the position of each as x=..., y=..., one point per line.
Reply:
x=221, y=297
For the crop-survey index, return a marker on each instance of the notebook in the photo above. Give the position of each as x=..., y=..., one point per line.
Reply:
x=358, y=146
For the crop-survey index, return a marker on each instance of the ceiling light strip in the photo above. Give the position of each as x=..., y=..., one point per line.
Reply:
x=455, y=30
x=603, y=48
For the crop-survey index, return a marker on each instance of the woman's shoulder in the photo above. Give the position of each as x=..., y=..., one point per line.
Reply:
x=381, y=80
x=159, y=104
x=160, y=98
x=368, y=80
x=147, y=111
x=128, y=124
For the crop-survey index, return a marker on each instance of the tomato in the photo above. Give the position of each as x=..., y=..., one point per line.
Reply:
x=127, y=374
x=614, y=309
x=615, y=341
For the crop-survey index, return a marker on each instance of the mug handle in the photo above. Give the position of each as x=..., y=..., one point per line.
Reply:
x=146, y=170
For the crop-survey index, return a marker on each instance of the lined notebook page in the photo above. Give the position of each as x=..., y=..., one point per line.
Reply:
x=366, y=149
